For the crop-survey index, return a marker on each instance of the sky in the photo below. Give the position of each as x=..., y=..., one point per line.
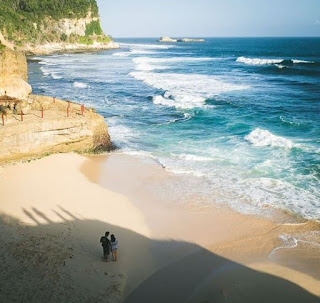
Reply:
x=210, y=18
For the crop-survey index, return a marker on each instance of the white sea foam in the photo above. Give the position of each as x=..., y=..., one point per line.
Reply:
x=50, y=72
x=265, y=61
x=55, y=75
x=185, y=90
x=181, y=171
x=47, y=63
x=284, y=120
x=280, y=66
x=121, y=134
x=258, y=61
x=288, y=242
x=175, y=59
x=160, y=100
x=190, y=157
x=292, y=241
x=148, y=64
x=279, y=194
x=121, y=54
x=260, y=137
x=186, y=117
x=80, y=85
x=302, y=61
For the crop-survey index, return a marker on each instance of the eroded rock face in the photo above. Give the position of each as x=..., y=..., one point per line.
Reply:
x=14, y=74
x=55, y=132
x=31, y=126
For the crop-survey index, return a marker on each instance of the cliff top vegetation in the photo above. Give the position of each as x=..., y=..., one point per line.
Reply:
x=21, y=19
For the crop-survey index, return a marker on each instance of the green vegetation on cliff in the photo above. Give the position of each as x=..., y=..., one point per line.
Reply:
x=93, y=28
x=32, y=21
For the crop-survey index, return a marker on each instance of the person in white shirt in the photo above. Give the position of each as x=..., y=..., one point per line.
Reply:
x=114, y=247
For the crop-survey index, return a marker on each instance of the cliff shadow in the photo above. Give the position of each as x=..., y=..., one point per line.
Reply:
x=62, y=262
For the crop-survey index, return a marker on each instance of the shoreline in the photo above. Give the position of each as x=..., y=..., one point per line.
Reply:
x=252, y=240
x=96, y=170
x=276, y=215
x=58, y=221
x=71, y=50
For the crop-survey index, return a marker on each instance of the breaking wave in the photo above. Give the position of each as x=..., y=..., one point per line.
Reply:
x=80, y=85
x=149, y=64
x=185, y=90
x=260, y=137
x=264, y=61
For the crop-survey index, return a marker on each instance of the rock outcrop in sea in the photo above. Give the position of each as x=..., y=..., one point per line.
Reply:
x=174, y=40
x=167, y=39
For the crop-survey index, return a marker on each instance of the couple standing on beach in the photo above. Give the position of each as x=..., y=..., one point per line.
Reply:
x=109, y=245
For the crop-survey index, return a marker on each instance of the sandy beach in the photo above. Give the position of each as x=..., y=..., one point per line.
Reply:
x=54, y=211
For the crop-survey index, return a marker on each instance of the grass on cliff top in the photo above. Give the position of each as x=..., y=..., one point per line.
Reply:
x=20, y=20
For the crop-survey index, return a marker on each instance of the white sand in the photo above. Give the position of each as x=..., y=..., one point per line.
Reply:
x=52, y=217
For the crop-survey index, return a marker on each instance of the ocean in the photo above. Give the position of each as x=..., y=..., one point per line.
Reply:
x=238, y=119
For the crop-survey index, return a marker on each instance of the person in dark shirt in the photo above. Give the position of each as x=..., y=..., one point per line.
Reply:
x=106, y=246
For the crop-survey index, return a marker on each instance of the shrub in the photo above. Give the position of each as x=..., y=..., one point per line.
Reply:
x=104, y=39
x=85, y=40
x=17, y=17
x=63, y=37
x=93, y=28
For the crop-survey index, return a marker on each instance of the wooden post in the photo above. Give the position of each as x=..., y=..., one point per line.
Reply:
x=82, y=109
x=68, y=111
x=41, y=111
x=54, y=99
x=2, y=119
x=21, y=115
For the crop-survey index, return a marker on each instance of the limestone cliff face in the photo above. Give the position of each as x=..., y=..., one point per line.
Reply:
x=13, y=74
x=31, y=126
x=55, y=132
x=48, y=26
x=68, y=34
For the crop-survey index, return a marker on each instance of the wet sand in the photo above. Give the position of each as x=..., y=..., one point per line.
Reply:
x=250, y=240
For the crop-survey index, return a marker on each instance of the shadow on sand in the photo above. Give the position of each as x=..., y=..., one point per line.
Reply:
x=38, y=262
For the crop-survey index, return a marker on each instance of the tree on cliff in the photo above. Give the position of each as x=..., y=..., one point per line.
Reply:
x=22, y=20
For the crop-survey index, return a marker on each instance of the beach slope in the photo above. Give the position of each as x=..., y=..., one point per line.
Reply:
x=54, y=211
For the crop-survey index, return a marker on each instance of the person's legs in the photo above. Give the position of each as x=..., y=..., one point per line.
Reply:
x=106, y=254
x=115, y=255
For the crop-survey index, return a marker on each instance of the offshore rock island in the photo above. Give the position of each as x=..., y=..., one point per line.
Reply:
x=185, y=40
x=190, y=193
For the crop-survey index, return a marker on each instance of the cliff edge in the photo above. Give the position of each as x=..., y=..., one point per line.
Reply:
x=32, y=126
x=13, y=74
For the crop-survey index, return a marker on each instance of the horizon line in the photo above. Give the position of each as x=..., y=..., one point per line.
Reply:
x=216, y=37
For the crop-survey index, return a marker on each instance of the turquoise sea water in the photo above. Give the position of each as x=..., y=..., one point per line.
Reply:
x=241, y=116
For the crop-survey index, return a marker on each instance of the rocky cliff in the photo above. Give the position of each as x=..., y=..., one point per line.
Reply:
x=31, y=126
x=35, y=136
x=13, y=74
x=47, y=26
